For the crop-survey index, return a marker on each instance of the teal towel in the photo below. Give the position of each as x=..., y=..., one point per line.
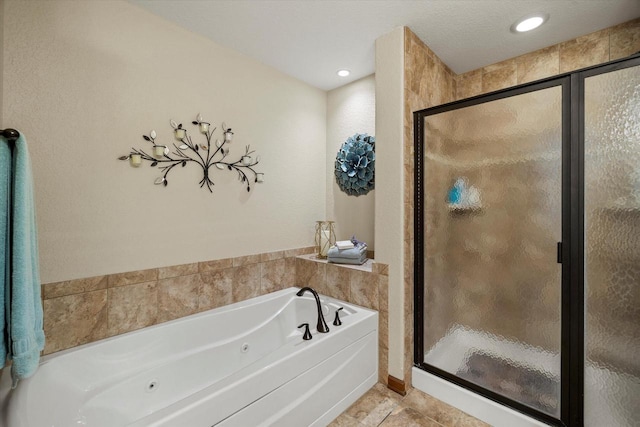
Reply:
x=24, y=306
x=5, y=205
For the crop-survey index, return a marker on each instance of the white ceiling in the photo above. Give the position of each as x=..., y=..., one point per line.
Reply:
x=312, y=39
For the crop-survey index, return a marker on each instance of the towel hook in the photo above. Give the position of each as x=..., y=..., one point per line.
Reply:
x=10, y=134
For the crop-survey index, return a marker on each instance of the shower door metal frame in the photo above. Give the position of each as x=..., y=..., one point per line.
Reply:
x=565, y=83
x=570, y=251
x=577, y=254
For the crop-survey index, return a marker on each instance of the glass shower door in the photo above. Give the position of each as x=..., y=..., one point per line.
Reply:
x=492, y=219
x=612, y=246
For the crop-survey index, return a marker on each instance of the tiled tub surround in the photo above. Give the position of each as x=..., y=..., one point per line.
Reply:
x=163, y=375
x=81, y=311
x=365, y=285
x=85, y=310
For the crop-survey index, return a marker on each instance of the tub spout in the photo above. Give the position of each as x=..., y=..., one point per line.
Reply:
x=322, y=325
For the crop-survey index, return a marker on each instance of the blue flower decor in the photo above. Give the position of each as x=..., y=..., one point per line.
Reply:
x=355, y=165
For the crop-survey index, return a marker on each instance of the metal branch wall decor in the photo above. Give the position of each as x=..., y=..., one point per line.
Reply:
x=206, y=156
x=355, y=165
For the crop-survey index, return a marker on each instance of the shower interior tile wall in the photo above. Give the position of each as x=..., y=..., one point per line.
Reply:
x=429, y=82
x=81, y=311
x=591, y=49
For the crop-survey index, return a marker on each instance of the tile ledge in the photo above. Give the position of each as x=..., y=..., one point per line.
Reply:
x=367, y=266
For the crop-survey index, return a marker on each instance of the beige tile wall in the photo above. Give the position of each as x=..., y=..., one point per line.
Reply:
x=429, y=82
x=368, y=289
x=81, y=311
x=591, y=49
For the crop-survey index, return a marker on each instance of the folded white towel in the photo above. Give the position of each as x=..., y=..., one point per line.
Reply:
x=354, y=261
x=345, y=244
x=354, y=253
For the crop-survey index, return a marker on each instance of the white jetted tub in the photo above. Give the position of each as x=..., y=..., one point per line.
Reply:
x=245, y=364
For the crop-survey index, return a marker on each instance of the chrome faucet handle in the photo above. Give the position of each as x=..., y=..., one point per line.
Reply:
x=337, y=321
x=307, y=334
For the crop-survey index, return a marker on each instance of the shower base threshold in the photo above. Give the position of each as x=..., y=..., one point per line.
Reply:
x=473, y=404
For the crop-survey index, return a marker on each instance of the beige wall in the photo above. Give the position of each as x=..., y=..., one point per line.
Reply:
x=88, y=79
x=350, y=110
x=1, y=60
x=409, y=77
x=389, y=207
x=118, y=253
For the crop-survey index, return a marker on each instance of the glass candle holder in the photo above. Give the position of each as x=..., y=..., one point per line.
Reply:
x=159, y=150
x=325, y=237
x=135, y=160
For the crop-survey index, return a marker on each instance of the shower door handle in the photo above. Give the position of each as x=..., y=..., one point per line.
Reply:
x=559, y=253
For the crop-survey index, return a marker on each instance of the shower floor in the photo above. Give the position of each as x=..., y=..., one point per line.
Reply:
x=527, y=386
x=531, y=375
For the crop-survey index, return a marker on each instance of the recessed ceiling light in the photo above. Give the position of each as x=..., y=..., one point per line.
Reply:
x=344, y=73
x=529, y=23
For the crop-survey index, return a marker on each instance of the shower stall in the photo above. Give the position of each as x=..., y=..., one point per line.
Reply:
x=527, y=246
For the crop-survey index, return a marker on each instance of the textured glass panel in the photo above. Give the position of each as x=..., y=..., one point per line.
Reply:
x=492, y=284
x=612, y=215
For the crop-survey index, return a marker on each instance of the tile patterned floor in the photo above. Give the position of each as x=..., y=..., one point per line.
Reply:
x=385, y=408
